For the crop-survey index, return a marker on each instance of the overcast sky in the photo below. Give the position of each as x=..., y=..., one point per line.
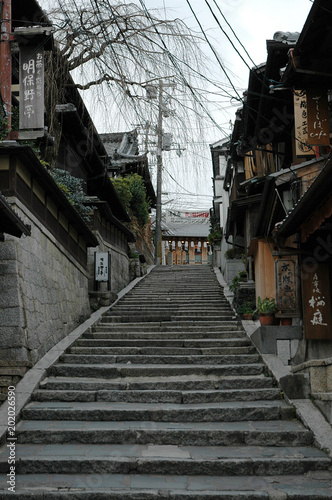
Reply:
x=253, y=21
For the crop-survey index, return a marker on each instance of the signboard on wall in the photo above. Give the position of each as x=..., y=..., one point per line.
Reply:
x=302, y=147
x=286, y=285
x=31, y=87
x=317, y=303
x=318, y=118
x=102, y=266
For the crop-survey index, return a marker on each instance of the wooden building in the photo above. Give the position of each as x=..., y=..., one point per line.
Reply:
x=185, y=238
x=278, y=178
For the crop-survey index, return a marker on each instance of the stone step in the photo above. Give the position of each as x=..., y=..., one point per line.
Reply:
x=153, y=335
x=176, y=301
x=183, y=323
x=155, y=396
x=315, y=485
x=187, y=383
x=180, y=306
x=163, y=360
x=148, y=342
x=152, y=370
x=251, y=433
x=165, y=412
x=162, y=350
x=165, y=459
x=139, y=311
x=118, y=318
x=230, y=327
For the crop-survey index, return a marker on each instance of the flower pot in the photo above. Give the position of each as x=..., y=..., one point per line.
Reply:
x=247, y=316
x=266, y=319
x=285, y=321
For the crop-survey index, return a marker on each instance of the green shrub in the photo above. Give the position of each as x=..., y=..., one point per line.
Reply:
x=72, y=187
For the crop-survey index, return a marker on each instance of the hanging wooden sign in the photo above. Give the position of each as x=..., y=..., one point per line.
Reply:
x=31, y=87
x=286, y=285
x=317, y=303
x=318, y=118
x=302, y=147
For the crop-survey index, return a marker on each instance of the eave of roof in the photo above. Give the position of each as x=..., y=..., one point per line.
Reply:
x=28, y=158
x=315, y=195
x=10, y=222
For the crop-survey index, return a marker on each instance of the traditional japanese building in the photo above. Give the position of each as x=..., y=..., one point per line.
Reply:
x=185, y=238
x=279, y=183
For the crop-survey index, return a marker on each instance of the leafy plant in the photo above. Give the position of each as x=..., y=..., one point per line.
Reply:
x=236, y=280
x=246, y=308
x=234, y=253
x=215, y=236
x=132, y=192
x=73, y=189
x=266, y=306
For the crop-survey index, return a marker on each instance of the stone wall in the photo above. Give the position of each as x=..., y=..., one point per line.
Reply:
x=44, y=296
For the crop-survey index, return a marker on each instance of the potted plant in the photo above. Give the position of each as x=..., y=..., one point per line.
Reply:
x=265, y=310
x=246, y=310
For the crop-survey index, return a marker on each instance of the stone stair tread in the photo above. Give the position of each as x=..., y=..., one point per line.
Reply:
x=118, y=350
x=245, y=426
x=72, y=405
x=139, y=359
x=187, y=382
x=146, y=396
x=314, y=485
x=112, y=370
x=169, y=459
x=83, y=450
x=202, y=343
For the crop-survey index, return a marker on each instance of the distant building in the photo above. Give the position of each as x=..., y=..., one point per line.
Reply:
x=185, y=238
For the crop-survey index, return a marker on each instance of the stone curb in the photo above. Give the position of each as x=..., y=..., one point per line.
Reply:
x=35, y=375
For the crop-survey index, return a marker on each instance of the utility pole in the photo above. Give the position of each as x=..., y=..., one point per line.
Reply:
x=158, y=239
x=162, y=111
x=6, y=61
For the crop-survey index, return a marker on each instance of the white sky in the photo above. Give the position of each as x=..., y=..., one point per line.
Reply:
x=253, y=21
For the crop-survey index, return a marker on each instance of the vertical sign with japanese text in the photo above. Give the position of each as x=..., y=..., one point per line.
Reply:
x=302, y=147
x=101, y=266
x=317, y=303
x=286, y=285
x=318, y=118
x=31, y=87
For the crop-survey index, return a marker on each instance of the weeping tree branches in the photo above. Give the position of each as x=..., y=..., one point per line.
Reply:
x=117, y=48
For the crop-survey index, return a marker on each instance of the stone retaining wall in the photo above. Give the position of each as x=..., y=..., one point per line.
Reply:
x=44, y=296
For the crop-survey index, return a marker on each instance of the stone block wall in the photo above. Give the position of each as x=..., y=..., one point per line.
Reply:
x=43, y=297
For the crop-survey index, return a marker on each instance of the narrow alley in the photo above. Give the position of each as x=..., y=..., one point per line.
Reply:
x=164, y=397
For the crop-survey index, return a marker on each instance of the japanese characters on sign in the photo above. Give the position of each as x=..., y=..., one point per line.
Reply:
x=187, y=216
x=317, y=302
x=286, y=296
x=302, y=146
x=318, y=118
x=31, y=87
x=316, y=296
x=101, y=266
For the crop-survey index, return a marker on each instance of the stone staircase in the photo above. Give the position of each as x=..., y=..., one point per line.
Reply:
x=165, y=397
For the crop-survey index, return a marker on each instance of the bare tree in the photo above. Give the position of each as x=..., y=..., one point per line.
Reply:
x=121, y=49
